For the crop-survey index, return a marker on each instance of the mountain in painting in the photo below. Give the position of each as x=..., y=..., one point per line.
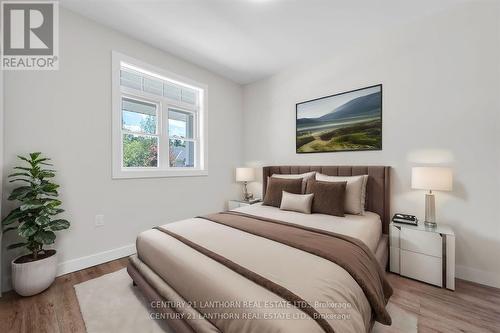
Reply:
x=364, y=106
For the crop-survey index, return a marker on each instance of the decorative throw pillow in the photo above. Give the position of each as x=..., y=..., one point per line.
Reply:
x=275, y=189
x=355, y=195
x=297, y=202
x=304, y=176
x=329, y=197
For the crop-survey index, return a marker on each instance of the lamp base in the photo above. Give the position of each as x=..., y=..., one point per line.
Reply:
x=430, y=211
x=430, y=224
x=247, y=196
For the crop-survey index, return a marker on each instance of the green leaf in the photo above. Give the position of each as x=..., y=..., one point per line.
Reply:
x=23, y=158
x=16, y=245
x=24, y=168
x=27, y=229
x=59, y=225
x=43, y=159
x=51, y=194
x=35, y=204
x=21, y=180
x=46, y=174
x=45, y=237
x=42, y=220
x=49, y=199
x=50, y=188
x=51, y=203
x=19, y=174
x=35, y=155
x=13, y=216
x=20, y=193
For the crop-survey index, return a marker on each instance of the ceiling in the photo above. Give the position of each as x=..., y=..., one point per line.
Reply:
x=247, y=40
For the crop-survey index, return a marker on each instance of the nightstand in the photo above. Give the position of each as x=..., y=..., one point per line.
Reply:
x=422, y=253
x=233, y=204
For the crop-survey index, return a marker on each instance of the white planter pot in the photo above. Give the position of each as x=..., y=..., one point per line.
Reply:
x=31, y=278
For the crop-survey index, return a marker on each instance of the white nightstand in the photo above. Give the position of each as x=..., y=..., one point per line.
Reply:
x=232, y=204
x=423, y=253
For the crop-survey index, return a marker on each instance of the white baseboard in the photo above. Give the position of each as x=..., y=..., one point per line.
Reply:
x=94, y=259
x=478, y=276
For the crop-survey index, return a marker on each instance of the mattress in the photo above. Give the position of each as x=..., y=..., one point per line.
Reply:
x=367, y=227
x=199, y=279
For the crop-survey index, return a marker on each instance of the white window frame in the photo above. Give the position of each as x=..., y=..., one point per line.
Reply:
x=164, y=104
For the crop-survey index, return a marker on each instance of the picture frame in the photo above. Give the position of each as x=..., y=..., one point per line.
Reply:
x=347, y=121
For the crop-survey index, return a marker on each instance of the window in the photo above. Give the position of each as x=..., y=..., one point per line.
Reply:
x=159, y=122
x=181, y=138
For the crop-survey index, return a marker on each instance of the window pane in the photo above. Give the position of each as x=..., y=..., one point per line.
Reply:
x=172, y=91
x=140, y=151
x=180, y=124
x=129, y=79
x=138, y=116
x=189, y=96
x=181, y=153
x=153, y=86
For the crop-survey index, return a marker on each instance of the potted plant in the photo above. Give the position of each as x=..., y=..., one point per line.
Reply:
x=35, y=222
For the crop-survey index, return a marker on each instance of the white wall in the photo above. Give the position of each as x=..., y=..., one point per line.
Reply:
x=66, y=114
x=441, y=104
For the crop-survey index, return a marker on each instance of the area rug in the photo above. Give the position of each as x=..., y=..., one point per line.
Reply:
x=111, y=304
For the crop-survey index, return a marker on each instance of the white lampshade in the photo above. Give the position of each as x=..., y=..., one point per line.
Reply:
x=432, y=178
x=245, y=174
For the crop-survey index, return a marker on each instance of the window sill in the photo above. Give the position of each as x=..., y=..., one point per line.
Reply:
x=141, y=173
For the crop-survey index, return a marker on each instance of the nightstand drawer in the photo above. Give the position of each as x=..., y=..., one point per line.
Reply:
x=421, y=241
x=422, y=267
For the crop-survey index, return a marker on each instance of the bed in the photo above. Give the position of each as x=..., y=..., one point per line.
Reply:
x=229, y=273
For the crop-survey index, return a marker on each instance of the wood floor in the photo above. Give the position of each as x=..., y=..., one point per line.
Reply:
x=471, y=308
x=56, y=310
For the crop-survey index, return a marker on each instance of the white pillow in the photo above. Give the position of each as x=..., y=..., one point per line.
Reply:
x=297, y=202
x=355, y=192
x=305, y=177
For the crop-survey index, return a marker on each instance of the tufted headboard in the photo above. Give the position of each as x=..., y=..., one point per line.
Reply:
x=377, y=188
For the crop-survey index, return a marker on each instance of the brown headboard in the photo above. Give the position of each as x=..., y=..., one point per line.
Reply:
x=377, y=188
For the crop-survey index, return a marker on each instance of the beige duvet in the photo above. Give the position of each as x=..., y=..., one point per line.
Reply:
x=230, y=302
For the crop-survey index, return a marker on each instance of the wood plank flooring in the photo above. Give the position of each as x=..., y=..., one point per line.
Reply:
x=56, y=310
x=471, y=308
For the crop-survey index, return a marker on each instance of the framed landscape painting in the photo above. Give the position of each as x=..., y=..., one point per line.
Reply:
x=348, y=121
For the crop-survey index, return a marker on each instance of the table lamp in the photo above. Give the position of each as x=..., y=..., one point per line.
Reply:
x=432, y=179
x=245, y=175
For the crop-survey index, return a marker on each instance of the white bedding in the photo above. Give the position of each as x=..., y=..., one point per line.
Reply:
x=367, y=227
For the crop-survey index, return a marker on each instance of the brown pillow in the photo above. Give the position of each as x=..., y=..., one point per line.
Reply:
x=275, y=189
x=329, y=197
x=304, y=176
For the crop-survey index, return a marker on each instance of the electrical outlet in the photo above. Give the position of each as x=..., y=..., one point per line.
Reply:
x=99, y=221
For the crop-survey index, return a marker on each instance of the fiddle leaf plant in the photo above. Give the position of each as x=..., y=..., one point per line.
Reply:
x=34, y=219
